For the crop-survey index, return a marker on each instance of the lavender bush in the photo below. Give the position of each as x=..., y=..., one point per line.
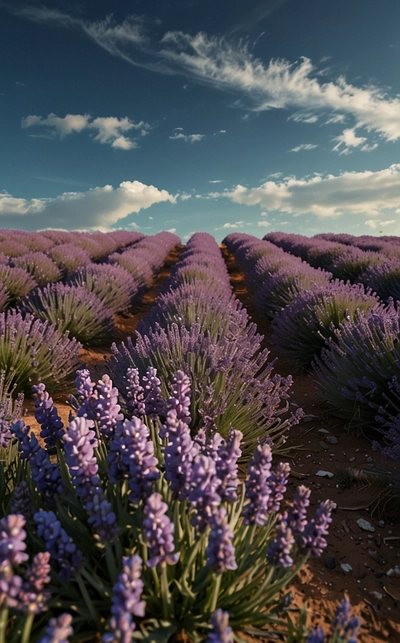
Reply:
x=112, y=284
x=356, y=367
x=40, y=266
x=32, y=350
x=302, y=328
x=17, y=281
x=190, y=550
x=74, y=309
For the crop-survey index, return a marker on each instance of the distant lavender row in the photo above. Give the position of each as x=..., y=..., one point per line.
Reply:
x=350, y=339
x=198, y=326
x=86, y=304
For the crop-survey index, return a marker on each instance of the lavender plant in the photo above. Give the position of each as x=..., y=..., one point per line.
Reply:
x=112, y=284
x=188, y=559
x=73, y=309
x=17, y=282
x=355, y=369
x=32, y=350
x=302, y=328
x=42, y=268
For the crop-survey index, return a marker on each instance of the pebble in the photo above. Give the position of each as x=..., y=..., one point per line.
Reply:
x=377, y=595
x=352, y=459
x=365, y=525
x=332, y=439
x=323, y=431
x=329, y=562
x=323, y=445
x=324, y=474
x=346, y=567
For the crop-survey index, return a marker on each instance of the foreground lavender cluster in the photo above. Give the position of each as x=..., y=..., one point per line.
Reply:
x=152, y=523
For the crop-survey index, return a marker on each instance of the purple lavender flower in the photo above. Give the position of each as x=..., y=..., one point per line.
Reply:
x=80, y=442
x=154, y=402
x=220, y=552
x=45, y=474
x=132, y=456
x=277, y=484
x=158, y=532
x=179, y=454
x=203, y=495
x=21, y=502
x=47, y=416
x=312, y=540
x=10, y=584
x=5, y=433
x=296, y=517
x=281, y=547
x=126, y=601
x=32, y=597
x=61, y=547
x=221, y=632
x=12, y=539
x=181, y=395
x=58, y=630
x=317, y=635
x=101, y=405
x=257, y=488
x=134, y=393
x=228, y=453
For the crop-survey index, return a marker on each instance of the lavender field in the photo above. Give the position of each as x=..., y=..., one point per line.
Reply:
x=199, y=442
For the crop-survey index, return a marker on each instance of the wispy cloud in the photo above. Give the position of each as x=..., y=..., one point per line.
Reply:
x=304, y=117
x=103, y=207
x=188, y=138
x=303, y=146
x=348, y=140
x=360, y=193
x=229, y=65
x=110, y=130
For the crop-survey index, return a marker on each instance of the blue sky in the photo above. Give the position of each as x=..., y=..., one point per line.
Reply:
x=209, y=115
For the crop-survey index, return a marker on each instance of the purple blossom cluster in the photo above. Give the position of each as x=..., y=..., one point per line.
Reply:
x=98, y=402
x=45, y=474
x=221, y=631
x=61, y=547
x=344, y=627
x=158, y=532
x=79, y=444
x=131, y=456
x=126, y=601
x=47, y=416
x=58, y=630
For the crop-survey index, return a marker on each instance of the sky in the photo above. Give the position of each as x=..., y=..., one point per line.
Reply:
x=200, y=115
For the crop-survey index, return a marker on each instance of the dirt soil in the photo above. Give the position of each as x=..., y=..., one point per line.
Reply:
x=362, y=563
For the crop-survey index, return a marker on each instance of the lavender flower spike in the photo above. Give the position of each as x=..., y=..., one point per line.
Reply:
x=126, y=601
x=281, y=547
x=58, y=630
x=158, y=532
x=32, y=597
x=180, y=399
x=317, y=635
x=221, y=632
x=58, y=543
x=312, y=539
x=12, y=539
x=47, y=416
x=220, y=552
x=80, y=442
x=257, y=488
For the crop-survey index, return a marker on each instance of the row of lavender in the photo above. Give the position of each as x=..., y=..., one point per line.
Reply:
x=342, y=331
x=368, y=260
x=131, y=523
x=76, y=303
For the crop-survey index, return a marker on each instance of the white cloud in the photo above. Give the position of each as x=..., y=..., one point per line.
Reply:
x=110, y=129
x=233, y=226
x=348, y=139
x=96, y=209
x=303, y=146
x=301, y=117
x=188, y=138
x=263, y=224
x=362, y=193
x=216, y=181
x=229, y=65
x=185, y=197
x=375, y=223
x=336, y=118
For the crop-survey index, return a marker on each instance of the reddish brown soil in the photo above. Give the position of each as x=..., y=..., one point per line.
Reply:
x=373, y=590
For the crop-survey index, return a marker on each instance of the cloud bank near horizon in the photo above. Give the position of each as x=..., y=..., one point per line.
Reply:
x=96, y=209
